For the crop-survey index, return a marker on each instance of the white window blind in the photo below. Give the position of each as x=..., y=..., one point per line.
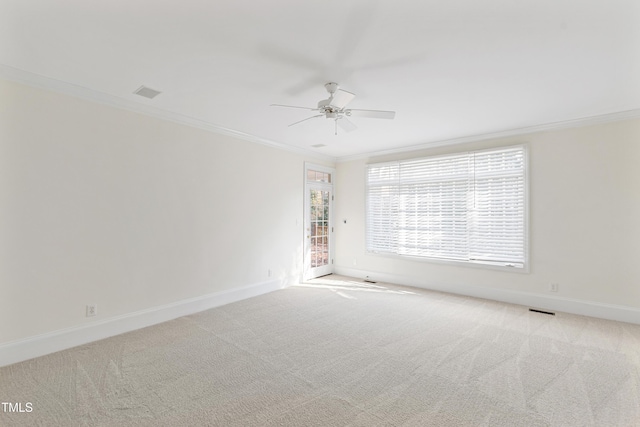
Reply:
x=463, y=207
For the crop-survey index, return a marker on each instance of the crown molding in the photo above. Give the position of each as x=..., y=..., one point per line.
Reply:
x=566, y=124
x=47, y=83
x=65, y=88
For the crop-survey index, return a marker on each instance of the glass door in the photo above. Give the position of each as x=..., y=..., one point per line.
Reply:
x=318, y=224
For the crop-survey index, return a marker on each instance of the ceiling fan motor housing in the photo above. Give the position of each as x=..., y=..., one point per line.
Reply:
x=329, y=110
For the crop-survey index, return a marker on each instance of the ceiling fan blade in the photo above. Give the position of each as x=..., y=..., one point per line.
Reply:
x=289, y=58
x=304, y=85
x=346, y=124
x=372, y=114
x=393, y=62
x=308, y=118
x=341, y=98
x=359, y=19
x=293, y=106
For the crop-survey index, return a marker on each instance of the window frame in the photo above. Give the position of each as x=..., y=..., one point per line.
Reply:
x=490, y=265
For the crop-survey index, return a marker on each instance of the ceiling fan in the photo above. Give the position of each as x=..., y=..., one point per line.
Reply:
x=335, y=108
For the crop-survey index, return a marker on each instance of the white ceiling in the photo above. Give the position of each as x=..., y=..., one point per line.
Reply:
x=450, y=69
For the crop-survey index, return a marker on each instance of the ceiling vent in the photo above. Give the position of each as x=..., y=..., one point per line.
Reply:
x=147, y=92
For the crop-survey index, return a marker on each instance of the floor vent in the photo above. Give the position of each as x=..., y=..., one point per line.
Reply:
x=550, y=313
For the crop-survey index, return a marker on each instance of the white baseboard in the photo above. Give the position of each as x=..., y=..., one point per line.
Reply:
x=39, y=345
x=553, y=303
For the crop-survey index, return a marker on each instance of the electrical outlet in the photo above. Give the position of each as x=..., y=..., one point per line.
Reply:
x=553, y=287
x=92, y=310
x=269, y=273
x=355, y=261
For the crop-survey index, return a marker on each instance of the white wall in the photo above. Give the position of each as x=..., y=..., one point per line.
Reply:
x=101, y=205
x=584, y=217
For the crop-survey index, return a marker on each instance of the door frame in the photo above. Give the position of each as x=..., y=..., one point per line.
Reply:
x=308, y=272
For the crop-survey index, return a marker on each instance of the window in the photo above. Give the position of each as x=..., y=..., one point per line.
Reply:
x=317, y=176
x=468, y=207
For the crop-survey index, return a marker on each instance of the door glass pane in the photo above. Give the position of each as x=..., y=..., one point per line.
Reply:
x=319, y=228
x=315, y=176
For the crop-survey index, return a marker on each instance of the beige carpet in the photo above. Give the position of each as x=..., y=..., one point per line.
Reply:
x=340, y=352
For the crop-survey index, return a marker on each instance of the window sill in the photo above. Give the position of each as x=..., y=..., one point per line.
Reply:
x=486, y=265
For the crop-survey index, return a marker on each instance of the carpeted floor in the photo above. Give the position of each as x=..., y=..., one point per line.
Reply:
x=340, y=352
